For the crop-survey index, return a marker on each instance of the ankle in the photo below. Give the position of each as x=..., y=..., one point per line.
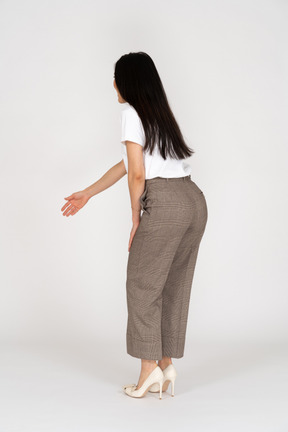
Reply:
x=148, y=364
x=166, y=361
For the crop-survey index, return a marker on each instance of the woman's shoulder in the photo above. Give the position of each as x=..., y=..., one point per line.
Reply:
x=130, y=114
x=132, y=128
x=129, y=109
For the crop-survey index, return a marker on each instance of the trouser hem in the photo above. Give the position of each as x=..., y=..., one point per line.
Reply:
x=147, y=350
x=173, y=346
x=143, y=349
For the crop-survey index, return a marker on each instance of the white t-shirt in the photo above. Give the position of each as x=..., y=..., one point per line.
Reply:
x=155, y=165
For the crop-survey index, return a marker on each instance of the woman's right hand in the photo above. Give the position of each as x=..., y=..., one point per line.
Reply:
x=75, y=202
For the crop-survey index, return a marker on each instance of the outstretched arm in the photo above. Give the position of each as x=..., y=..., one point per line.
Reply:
x=108, y=179
x=78, y=199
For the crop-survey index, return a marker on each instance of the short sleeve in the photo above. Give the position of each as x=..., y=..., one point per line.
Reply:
x=131, y=127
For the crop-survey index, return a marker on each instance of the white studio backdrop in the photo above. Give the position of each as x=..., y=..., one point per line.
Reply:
x=224, y=68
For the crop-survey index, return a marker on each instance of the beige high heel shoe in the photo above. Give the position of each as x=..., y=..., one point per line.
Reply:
x=170, y=375
x=155, y=377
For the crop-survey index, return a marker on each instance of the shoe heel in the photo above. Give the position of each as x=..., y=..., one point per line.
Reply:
x=160, y=384
x=172, y=386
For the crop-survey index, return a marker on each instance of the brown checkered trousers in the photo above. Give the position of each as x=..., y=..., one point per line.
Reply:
x=161, y=265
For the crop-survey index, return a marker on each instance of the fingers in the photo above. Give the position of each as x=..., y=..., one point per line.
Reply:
x=70, y=210
x=65, y=206
x=130, y=241
x=129, y=244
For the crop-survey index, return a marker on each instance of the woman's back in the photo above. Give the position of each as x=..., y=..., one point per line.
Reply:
x=155, y=164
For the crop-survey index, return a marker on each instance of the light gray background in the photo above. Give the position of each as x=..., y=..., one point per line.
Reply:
x=223, y=65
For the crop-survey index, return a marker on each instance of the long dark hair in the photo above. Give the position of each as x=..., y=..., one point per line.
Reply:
x=139, y=84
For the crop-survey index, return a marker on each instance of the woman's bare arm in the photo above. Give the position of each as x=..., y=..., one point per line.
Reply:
x=136, y=182
x=77, y=200
x=136, y=176
x=108, y=179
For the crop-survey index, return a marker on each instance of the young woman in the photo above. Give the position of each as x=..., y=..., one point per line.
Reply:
x=165, y=238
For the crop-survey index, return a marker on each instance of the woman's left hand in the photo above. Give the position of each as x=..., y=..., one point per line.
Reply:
x=133, y=232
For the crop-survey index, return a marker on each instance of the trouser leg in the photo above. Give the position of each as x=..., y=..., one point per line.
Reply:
x=176, y=294
x=160, y=270
x=151, y=255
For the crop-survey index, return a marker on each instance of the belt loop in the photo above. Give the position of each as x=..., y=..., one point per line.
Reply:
x=166, y=178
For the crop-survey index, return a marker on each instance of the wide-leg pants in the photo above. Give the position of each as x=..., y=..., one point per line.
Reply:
x=161, y=265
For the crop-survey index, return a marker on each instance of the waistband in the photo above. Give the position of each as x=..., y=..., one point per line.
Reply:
x=167, y=179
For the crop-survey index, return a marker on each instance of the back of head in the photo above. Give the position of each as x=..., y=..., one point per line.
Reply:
x=140, y=85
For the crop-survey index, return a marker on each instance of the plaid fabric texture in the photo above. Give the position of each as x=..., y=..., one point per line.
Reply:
x=161, y=265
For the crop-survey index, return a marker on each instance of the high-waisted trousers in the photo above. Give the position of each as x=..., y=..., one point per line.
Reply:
x=161, y=265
